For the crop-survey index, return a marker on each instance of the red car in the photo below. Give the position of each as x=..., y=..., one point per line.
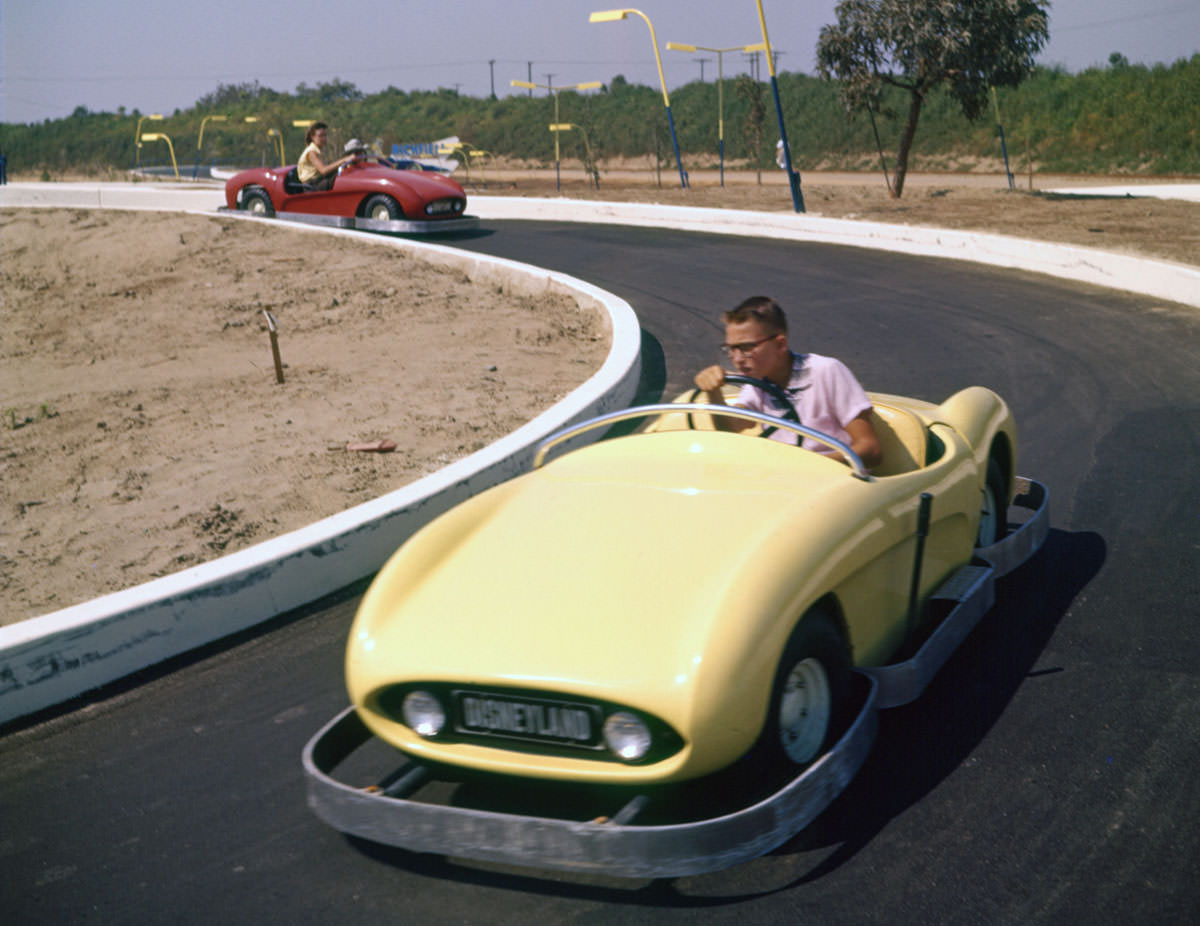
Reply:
x=366, y=194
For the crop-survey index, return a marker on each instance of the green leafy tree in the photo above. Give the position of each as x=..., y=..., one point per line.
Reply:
x=916, y=45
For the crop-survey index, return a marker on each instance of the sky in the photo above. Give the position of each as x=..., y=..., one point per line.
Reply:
x=156, y=57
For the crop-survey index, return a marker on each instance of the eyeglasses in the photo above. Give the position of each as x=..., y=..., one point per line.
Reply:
x=746, y=347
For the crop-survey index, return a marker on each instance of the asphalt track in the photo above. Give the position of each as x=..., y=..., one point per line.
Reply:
x=1047, y=776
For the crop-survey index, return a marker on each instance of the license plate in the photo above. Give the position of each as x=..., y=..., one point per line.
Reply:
x=489, y=714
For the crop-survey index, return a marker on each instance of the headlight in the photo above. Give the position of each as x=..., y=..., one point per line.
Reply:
x=627, y=736
x=424, y=713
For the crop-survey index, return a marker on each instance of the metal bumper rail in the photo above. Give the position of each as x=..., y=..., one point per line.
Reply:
x=382, y=226
x=973, y=588
x=393, y=813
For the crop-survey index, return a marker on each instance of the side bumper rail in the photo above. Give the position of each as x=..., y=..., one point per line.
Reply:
x=972, y=588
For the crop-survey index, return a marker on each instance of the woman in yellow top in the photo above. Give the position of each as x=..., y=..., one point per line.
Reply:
x=311, y=170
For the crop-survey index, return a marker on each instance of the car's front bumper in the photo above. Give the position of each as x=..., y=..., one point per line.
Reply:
x=382, y=226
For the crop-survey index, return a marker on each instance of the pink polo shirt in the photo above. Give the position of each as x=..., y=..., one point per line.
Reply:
x=826, y=395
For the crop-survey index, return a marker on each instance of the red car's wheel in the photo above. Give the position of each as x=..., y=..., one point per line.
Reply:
x=382, y=208
x=255, y=200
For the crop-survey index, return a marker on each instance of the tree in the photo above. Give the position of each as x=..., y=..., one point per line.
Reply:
x=749, y=91
x=916, y=45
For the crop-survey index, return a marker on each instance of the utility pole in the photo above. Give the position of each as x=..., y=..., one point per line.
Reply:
x=529, y=68
x=550, y=82
x=701, y=63
x=492, y=70
x=753, y=59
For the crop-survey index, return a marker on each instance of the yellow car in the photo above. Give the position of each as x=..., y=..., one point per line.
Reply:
x=654, y=607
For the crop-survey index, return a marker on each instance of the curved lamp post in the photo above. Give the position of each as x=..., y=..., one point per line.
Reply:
x=793, y=177
x=608, y=16
x=566, y=127
x=137, y=134
x=159, y=136
x=555, y=91
x=278, y=136
x=200, y=140
x=720, y=52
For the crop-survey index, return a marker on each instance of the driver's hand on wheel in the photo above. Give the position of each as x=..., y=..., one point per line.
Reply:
x=710, y=380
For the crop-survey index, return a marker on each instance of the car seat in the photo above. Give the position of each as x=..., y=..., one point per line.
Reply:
x=903, y=439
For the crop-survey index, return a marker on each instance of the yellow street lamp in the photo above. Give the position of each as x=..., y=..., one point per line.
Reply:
x=200, y=140
x=590, y=165
x=159, y=136
x=608, y=16
x=137, y=134
x=278, y=136
x=555, y=91
x=720, y=53
x=468, y=155
x=793, y=176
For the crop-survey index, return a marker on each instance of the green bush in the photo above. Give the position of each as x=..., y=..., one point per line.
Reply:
x=1120, y=118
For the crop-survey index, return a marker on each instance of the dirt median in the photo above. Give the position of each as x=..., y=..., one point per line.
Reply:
x=144, y=430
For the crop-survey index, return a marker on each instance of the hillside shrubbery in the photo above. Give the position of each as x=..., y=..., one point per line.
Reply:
x=1122, y=118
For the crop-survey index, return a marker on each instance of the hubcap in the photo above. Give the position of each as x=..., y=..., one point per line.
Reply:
x=804, y=710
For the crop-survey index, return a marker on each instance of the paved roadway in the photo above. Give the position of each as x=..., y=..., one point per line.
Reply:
x=1049, y=775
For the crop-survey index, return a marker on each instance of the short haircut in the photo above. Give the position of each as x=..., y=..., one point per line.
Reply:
x=761, y=309
x=312, y=130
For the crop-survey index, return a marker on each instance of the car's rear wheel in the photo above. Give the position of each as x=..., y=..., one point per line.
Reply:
x=993, y=516
x=256, y=201
x=809, y=693
x=382, y=208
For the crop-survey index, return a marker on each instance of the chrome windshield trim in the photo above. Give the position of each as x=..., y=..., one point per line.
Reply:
x=662, y=408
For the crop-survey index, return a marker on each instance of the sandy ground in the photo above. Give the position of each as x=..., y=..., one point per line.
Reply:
x=143, y=429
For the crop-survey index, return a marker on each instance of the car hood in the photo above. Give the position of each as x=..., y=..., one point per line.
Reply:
x=427, y=184
x=606, y=572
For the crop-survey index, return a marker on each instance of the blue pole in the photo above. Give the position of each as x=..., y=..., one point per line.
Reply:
x=793, y=177
x=675, y=141
x=1004, y=151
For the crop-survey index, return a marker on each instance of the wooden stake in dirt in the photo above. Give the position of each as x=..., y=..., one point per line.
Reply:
x=273, y=330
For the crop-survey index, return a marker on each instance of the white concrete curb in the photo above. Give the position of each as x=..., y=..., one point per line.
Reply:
x=1156, y=278
x=50, y=659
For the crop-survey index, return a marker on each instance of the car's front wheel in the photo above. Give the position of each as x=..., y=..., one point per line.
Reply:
x=382, y=208
x=256, y=201
x=809, y=692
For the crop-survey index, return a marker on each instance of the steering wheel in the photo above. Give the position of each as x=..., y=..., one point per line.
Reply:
x=776, y=392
